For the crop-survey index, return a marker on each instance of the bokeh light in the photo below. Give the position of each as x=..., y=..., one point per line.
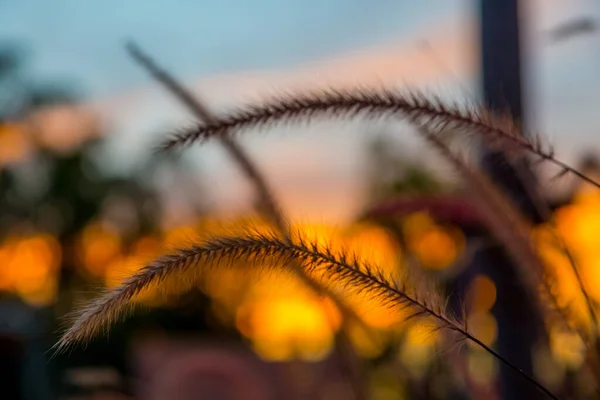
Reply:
x=436, y=246
x=30, y=265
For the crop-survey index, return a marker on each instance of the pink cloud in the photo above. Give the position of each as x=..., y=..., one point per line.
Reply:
x=451, y=52
x=322, y=188
x=443, y=52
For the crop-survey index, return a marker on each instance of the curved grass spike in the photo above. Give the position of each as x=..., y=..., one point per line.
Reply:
x=501, y=219
x=265, y=251
x=548, y=216
x=426, y=111
x=264, y=192
x=591, y=341
x=270, y=207
x=507, y=225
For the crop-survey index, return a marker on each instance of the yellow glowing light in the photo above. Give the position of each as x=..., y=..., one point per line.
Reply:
x=287, y=327
x=578, y=226
x=281, y=316
x=275, y=349
x=578, y=223
x=590, y=274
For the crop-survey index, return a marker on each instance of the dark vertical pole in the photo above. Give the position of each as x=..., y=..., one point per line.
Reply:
x=501, y=55
x=518, y=322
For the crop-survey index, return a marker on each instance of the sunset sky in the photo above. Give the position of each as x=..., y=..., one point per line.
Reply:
x=233, y=51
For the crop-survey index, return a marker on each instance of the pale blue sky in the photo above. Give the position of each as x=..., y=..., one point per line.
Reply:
x=82, y=41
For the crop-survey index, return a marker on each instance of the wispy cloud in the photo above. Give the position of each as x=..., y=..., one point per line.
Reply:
x=445, y=51
x=442, y=55
x=309, y=183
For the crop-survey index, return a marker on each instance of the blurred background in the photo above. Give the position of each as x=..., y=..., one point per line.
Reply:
x=84, y=201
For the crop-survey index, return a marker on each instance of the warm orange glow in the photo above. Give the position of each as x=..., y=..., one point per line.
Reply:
x=422, y=334
x=141, y=252
x=482, y=294
x=436, y=249
x=578, y=224
x=99, y=245
x=29, y=267
x=14, y=143
x=376, y=245
x=280, y=316
x=118, y=269
x=483, y=325
x=182, y=236
x=435, y=246
x=146, y=247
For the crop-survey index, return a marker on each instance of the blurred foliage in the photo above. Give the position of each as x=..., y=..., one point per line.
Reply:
x=63, y=219
x=427, y=240
x=67, y=226
x=391, y=172
x=51, y=186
